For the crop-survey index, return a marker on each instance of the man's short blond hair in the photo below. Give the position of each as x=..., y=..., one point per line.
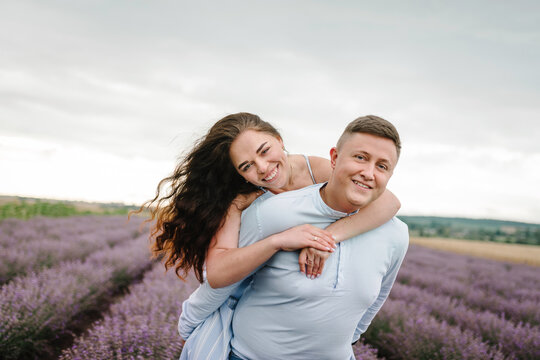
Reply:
x=373, y=125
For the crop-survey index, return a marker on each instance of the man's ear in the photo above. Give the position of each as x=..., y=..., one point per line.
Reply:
x=333, y=157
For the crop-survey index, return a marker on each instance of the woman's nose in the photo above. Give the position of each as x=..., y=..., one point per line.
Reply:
x=262, y=166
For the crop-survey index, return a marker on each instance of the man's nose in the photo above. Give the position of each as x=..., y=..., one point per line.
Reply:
x=367, y=171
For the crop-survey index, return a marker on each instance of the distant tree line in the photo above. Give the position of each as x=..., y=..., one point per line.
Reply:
x=473, y=229
x=24, y=210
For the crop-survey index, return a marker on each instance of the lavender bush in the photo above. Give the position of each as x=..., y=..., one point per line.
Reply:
x=519, y=341
x=36, y=307
x=443, y=305
x=363, y=351
x=31, y=245
x=403, y=331
x=519, y=304
x=143, y=325
x=518, y=281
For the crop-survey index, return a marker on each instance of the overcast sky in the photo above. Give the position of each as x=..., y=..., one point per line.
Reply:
x=99, y=98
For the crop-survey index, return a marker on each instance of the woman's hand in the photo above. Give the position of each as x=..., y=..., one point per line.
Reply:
x=303, y=236
x=312, y=262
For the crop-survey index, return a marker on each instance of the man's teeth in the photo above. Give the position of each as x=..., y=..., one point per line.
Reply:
x=360, y=184
x=271, y=176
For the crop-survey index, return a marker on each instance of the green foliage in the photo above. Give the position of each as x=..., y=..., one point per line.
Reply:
x=474, y=229
x=25, y=210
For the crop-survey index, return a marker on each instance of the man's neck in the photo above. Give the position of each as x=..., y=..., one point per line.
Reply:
x=328, y=196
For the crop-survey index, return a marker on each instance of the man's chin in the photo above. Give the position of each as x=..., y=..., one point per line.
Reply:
x=359, y=202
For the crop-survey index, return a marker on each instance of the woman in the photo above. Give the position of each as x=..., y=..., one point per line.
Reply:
x=199, y=219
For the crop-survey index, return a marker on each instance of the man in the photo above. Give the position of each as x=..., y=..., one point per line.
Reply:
x=285, y=315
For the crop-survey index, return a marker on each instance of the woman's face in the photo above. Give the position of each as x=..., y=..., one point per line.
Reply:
x=259, y=157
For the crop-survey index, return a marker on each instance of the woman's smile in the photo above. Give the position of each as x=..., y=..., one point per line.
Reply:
x=272, y=175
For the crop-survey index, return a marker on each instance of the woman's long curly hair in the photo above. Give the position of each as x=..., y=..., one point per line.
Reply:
x=201, y=189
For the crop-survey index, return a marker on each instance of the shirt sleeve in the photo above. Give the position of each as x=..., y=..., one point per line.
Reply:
x=386, y=285
x=205, y=300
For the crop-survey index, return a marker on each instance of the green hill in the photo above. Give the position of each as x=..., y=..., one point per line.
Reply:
x=473, y=229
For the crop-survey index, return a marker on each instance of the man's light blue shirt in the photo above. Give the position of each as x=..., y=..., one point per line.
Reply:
x=285, y=315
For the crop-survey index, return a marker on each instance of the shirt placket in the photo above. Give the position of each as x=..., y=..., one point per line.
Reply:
x=339, y=272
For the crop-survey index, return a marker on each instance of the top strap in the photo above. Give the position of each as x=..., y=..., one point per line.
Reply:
x=309, y=168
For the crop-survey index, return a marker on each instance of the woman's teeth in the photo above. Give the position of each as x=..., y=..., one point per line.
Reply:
x=271, y=176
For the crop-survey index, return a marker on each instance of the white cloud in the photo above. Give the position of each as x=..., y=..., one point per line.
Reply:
x=64, y=171
x=468, y=182
x=129, y=85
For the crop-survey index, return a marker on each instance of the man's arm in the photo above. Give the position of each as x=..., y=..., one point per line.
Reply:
x=386, y=285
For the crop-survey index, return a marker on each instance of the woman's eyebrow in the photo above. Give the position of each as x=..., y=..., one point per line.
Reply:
x=258, y=150
x=260, y=147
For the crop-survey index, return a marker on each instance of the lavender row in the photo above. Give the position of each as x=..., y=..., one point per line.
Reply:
x=521, y=282
x=518, y=311
x=40, y=243
x=40, y=306
x=13, y=232
x=517, y=341
x=403, y=331
x=143, y=325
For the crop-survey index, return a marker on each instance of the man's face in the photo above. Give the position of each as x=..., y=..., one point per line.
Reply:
x=362, y=167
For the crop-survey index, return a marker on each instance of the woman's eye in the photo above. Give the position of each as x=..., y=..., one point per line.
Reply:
x=360, y=157
x=266, y=150
x=246, y=167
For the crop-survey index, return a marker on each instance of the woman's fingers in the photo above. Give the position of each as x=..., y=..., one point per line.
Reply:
x=320, y=245
x=324, y=236
x=327, y=242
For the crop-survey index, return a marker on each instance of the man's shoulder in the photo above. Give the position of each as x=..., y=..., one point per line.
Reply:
x=272, y=201
x=400, y=231
x=291, y=196
x=394, y=230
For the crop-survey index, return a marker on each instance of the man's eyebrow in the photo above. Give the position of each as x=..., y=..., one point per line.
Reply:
x=258, y=150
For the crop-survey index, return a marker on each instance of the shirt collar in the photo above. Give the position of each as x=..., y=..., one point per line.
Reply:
x=327, y=210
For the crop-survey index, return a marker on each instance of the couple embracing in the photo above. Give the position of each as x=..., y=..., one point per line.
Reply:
x=295, y=254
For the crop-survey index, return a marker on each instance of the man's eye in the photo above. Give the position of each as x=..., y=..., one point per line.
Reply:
x=360, y=157
x=384, y=167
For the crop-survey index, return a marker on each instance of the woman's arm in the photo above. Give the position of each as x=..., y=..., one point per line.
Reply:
x=227, y=264
x=368, y=218
x=377, y=213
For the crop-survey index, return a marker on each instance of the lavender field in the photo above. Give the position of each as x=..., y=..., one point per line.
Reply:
x=85, y=288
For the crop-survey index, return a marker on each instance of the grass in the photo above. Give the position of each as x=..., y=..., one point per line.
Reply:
x=515, y=253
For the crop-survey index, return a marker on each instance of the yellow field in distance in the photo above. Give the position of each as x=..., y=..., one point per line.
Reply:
x=515, y=253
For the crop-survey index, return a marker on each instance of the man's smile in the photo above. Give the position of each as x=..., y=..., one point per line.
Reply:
x=362, y=185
